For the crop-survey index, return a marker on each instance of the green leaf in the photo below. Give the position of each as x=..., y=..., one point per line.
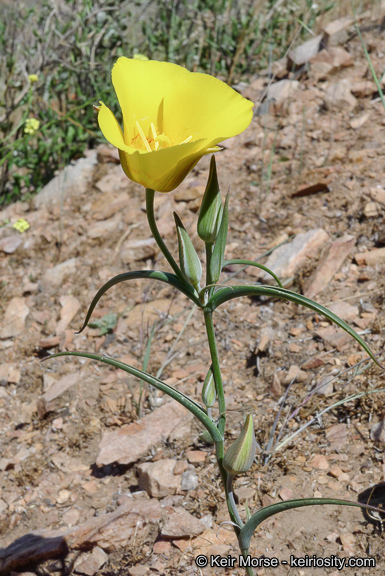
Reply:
x=248, y=529
x=166, y=277
x=218, y=255
x=223, y=295
x=105, y=324
x=187, y=402
x=257, y=265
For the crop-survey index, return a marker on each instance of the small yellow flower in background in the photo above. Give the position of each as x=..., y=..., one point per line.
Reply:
x=21, y=225
x=31, y=126
x=33, y=78
x=171, y=118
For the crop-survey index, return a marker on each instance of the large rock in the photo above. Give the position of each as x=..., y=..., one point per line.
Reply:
x=339, y=96
x=130, y=442
x=73, y=179
x=14, y=318
x=54, y=277
x=287, y=260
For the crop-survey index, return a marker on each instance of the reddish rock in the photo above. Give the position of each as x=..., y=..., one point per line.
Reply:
x=158, y=479
x=181, y=524
x=130, y=442
x=14, y=318
x=329, y=264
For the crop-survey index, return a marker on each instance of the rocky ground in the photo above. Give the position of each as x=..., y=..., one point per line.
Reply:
x=112, y=479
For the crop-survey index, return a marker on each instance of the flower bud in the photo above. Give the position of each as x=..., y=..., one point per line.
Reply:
x=188, y=258
x=210, y=214
x=209, y=392
x=240, y=456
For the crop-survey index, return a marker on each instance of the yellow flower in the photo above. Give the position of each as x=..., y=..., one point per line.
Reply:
x=171, y=118
x=31, y=126
x=33, y=78
x=21, y=225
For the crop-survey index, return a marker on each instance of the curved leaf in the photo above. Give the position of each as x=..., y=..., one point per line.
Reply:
x=223, y=295
x=248, y=529
x=257, y=265
x=187, y=402
x=166, y=277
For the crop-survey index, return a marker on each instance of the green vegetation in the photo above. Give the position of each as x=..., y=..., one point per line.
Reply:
x=71, y=47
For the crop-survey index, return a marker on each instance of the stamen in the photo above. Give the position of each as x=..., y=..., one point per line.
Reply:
x=187, y=140
x=145, y=142
x=153, y=130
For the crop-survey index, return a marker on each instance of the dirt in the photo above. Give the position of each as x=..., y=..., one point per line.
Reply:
x=48, y=473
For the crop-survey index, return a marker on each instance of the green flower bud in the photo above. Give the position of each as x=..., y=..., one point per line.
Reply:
x=188, y=258
x=210, y=214
x=209, y=392
x=240, y=456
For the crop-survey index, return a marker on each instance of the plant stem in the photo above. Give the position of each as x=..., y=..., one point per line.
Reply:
x=216, y=371
x=230, y=497
x=150, y=194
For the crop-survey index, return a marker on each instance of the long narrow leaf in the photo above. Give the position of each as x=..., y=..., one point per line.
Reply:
x=248, y=529
x=223, y=295
x=187, y=402
x=257, y=265
x=166, y=277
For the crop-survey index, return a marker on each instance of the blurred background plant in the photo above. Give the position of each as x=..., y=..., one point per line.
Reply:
x=56, y=57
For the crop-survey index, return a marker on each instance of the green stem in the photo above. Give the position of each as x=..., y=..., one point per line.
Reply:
x=231, y=500
x=150, y=194
x=216, y=371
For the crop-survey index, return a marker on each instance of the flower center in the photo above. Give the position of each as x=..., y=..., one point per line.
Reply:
x=154, y=141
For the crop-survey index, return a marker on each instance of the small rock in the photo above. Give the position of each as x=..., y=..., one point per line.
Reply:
x=313, y=363
x=329, y=61
x=10, y=244
x=135, y=250
x=325, y=386
x=320, y=462
x=190, y=480
x=71, y=517
x=364, y=88
x=335, y=471
x=54, y=277
x=359, y=121
x=91, y=563
x=103, y=228
x=371, y=210
x=377, y=431
x=348, y=542
x=336, y=338
x=377, y=194
x=282, y=90
x=158, y=479
x=371, y=258
x=70, y=306
x=13, y=322
x=295, y=372
x=181, y=524
x=339, y=96
x=344, y=310
x=336, y=32
x=50, y=401
x=196, y=456
x=337, y=435
x=190, y=194
x=162, y=547
x=285, y=493
x=303, y=53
